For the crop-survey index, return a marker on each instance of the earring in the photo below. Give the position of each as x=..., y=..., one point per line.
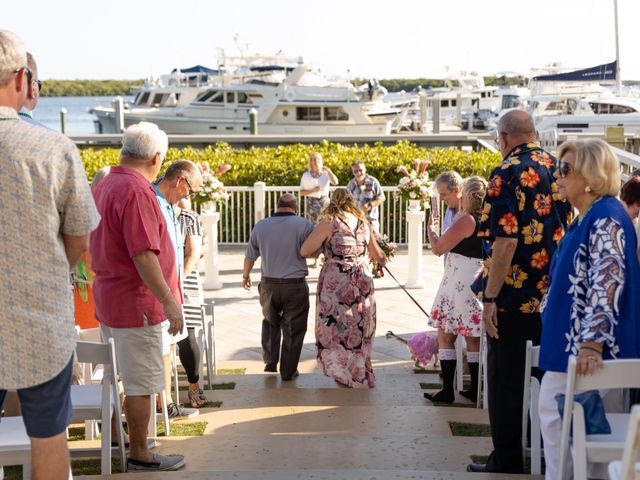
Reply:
x=587, y=189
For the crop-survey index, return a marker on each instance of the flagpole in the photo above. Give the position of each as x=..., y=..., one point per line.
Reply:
x=618, y=79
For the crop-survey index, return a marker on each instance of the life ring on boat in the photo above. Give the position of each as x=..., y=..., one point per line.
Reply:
x=289, y=95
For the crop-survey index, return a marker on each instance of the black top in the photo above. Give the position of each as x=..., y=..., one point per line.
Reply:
x=472, y=245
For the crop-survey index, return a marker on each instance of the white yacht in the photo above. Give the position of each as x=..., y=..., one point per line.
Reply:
x=288, y=99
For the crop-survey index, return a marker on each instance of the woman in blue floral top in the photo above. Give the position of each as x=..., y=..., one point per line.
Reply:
x=588, y=310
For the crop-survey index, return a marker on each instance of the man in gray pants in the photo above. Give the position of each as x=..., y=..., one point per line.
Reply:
x=284, y=293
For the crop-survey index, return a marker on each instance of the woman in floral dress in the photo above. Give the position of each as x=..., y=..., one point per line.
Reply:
x=456, y=310
x=345, y=306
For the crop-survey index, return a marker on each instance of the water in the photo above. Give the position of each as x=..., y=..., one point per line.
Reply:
x=79, y=120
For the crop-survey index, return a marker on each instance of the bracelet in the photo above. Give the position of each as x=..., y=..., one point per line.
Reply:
x=168, y=292
x=587, y=347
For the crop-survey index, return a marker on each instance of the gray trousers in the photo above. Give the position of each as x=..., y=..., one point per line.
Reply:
x=285, y=308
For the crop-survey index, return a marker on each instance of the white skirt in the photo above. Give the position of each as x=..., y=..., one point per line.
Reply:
x=456, y=309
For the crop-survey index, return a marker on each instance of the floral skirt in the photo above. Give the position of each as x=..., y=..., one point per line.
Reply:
x=456, y=309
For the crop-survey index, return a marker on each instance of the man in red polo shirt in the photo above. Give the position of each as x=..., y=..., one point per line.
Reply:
x=136, y=284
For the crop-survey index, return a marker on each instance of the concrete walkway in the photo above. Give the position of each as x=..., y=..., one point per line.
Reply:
x=311, y=427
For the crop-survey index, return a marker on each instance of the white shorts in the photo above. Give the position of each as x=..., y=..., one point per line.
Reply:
x=139, y=357
x=168, y=339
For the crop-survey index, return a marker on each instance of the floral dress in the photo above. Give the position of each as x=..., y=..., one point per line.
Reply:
x=346, y=307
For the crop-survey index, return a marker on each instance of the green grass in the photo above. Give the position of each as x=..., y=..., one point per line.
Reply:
x=76, y=433
x=424, y=372
x=78, y=467
x=430, y=386
x=454, y=404
x=461, y=429
x=215, y=386
x=232, y=371
x=179, y=429
x=212, y=405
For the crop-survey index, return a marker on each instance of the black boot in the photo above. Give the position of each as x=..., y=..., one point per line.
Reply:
x=472, y=392
x=445, y=395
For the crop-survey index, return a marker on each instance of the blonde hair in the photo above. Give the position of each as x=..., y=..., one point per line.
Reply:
x=476, y=188
x=342, y=202
x=596, y=163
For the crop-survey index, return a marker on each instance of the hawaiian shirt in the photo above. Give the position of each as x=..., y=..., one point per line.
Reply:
x=370, y=190
x=523, y=202
x=45, y=196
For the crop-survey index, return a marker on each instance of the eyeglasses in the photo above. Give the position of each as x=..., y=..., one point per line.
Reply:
x=357, y=171
x=563, y=169
x=38, y=84
x=192, y=192
x=26, y=69
x=163, y=159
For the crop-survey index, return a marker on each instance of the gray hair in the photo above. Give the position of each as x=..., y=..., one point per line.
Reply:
x=12, y=56
x=288, y=201
x=143, y=140
x=99, y=176
x=451, y=179
x=183, y=168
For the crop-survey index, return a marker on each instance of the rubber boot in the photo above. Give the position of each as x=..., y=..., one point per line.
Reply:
x=445, y=395
x=472, y=392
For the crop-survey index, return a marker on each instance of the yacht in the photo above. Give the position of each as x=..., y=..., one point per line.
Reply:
x=286, y=98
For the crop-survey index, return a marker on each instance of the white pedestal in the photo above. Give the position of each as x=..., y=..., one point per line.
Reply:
x=211, y=276
x=415, y=219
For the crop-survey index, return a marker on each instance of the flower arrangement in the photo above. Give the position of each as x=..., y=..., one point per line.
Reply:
x=415, y=184
x=389, y=250
x=212, y=190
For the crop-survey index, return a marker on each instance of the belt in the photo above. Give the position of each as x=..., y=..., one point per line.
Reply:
x=283, y=280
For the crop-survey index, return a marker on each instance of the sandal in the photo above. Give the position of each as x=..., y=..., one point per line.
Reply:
x=197, y=398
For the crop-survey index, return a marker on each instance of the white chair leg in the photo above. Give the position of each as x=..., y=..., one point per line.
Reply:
x=26, y=471
x=202, y=344
x=153, y=427
x=174, y=369
x=165, y=413
x=105, y=454
x=536, y=450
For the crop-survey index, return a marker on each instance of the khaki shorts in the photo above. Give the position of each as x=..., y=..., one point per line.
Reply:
x=139, y=357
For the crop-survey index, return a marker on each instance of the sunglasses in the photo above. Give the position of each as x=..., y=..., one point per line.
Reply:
x=39, y=85
x=26, y=69
x=563, y=169
x=357, y=171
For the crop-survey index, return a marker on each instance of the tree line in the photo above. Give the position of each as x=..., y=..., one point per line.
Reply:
x=89, y=88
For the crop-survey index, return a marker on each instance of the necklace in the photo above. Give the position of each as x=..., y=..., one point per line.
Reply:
x=581, y=216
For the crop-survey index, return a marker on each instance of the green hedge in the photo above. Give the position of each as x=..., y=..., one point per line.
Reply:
x=284, y=165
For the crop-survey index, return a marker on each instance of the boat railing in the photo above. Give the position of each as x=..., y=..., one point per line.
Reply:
x=247, y=205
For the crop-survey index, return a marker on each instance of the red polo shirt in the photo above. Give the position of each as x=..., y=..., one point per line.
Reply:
x=131, y=223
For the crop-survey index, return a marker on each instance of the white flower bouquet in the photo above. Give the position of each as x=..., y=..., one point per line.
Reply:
x=212, y=189
x=415, y=184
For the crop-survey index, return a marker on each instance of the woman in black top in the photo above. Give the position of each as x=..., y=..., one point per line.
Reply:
x=456, y=310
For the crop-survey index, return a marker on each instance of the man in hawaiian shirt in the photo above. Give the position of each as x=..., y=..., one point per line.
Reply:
x=523, y=221
x=367, y=192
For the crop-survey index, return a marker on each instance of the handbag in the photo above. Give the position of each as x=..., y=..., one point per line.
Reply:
x=595, y=419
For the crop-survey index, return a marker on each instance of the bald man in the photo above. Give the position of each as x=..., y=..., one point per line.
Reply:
x=284, y=293
x=522, y=221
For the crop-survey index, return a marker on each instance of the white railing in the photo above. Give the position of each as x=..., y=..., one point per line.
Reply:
x=242, y=210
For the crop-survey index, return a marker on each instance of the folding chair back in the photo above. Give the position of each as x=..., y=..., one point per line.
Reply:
x=595, y=448
x=93, y=402
x=530, y=399
x=628, y=469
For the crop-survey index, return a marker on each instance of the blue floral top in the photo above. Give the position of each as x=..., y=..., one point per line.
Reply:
x=594, y=277
x=522, y=202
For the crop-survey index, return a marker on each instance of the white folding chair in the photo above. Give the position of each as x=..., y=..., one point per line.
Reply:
x=99, y=401
x=530, y=399
x=461, y=347
x=15, y=445
x=628, y=468
x=595, y=448
x=90, y=374
x=201, y=319
x=483, y=385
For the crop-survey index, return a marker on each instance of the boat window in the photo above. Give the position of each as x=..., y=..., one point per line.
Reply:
x=308, y=113
x=444, y=103
x=335, y=113
x=510, y=101
x=454, y=103
x=230, y=97
x=242, y=97
x=621, y=109
x=217, y=98
x=206, y=96
x=144, y=98
x=158, y=99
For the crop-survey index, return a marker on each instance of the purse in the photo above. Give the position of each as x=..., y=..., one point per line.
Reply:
x=595, y=419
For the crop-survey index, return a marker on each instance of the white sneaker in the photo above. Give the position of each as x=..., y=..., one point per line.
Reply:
x=174, y=411
x=160, y=463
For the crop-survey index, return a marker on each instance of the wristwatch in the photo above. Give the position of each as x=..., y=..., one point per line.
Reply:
x=486, y=299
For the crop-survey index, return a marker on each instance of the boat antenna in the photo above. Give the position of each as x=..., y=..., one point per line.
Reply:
x=618, y=79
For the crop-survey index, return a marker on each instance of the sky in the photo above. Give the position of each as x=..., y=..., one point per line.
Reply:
x=132, y=39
